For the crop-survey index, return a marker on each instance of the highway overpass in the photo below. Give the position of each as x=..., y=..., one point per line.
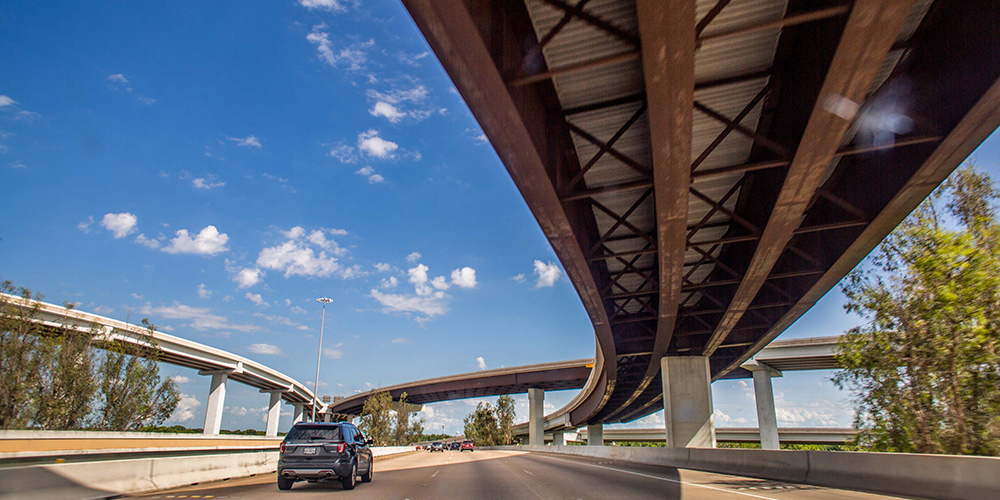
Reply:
x=209, y=361
x=705, y=171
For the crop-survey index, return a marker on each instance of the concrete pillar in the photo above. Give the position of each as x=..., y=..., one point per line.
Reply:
x=273, y=413
x=687, y=401
x=536, y=417
x=299, y=414
x=558, y=438
x=767, y=421
x=595, y=435
x=216, y=403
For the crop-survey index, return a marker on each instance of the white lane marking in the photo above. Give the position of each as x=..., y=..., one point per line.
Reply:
x=435, y=474
x=660, y=478
x=528, y=472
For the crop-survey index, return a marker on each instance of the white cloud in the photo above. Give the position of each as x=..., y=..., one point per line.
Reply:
x=297, y=260
x=332, y=353
x=353, y=57
x=120, y=225
x=415, y=95
x=548, y=274
x=440, y=283
x=200, y=317
x=464, y=277
x=390, y=282
x=400, y=340
x=249, y=141
x=390, y=112
x=413, y=257
x=371, y=144
x=382, y=267
x=519, y=278
x=209, y=241
x=257, y=299
x=264, y=349
x=481, y=363
x=180, y=379
x=344, y=153
x=185, y=408
x=202, y=183
x=105, y=310
x=6, y=101
x=85, y=225
x=248, y=277
x=117, y=78
x=294, y=233
x=318, y=237
x=331, y=5
x=147, y=242
x=298, y=310
x=724, y=420
x=427, y=305
x=204, y=292
x=369, y=172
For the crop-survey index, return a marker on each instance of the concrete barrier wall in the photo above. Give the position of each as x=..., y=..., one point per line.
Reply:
x=910, y=475
x=113, y=477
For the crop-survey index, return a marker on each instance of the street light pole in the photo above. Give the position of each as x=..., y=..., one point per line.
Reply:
x=319, y=354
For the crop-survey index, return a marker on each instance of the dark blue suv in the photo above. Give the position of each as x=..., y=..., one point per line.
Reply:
x=317, y=451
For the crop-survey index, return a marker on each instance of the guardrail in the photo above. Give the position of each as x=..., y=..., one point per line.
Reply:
x=946, y=477
x=70, y=464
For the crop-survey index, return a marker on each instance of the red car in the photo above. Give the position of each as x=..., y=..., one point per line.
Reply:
x=467, y=445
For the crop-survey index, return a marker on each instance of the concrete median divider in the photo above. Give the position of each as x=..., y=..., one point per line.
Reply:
x=944, y=477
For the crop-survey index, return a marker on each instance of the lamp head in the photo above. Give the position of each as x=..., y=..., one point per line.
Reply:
x=324, y=300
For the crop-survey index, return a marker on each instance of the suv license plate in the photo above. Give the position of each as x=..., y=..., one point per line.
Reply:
x=309, y=451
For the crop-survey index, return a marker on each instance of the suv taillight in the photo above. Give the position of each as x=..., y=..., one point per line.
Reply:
x=281, y=448
x=341, y=447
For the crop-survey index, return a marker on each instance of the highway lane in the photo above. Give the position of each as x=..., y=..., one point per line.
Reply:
x=496, y=475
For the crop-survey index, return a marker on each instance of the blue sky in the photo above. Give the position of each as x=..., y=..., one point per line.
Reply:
x=216, y=167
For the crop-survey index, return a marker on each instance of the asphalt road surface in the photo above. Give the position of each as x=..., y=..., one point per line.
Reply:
x=495, y=475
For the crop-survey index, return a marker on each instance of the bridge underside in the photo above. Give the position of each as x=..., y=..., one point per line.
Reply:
x=550, y=377
x=706, y=170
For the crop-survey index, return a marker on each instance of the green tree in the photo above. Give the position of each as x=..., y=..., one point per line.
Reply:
x=20, y=357
x=67, y=386
x=376, y=418
x=926, y=363
x=481, y=426
x=505, y=420
x=131, y=392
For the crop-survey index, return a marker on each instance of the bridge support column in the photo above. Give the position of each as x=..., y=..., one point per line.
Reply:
x=536, y=417
x=763, y=394
x=216, y=403
x=273, y=412
x=595, y=435
x=558, y=438
x=298, y=415
x=687, y=401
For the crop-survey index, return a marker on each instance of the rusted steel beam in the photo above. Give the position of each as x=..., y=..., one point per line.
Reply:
x=596, y=21
x=536, y=51
x=709, y=16
x=955, y=77
x=871, y=28
x=805, y=17
x=729, y=126
x=667, y=29
x=522, y=126
x=642, y=169
x=607, y=146
x=761, y=139
x=621, y=220
x=573, y=68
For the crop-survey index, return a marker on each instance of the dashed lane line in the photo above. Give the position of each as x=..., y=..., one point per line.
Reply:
x=650, y=476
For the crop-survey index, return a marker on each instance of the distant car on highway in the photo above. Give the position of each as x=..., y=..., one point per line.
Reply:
x=436, y=446
x=454, y=445
x=317, y=451
x=467, y=445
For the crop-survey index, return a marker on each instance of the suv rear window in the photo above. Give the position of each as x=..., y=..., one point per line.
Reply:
x=314, y=433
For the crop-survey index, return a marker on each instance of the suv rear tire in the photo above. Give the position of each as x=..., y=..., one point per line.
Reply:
x=368, y=476
x=350, y=481
x=285, y=484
